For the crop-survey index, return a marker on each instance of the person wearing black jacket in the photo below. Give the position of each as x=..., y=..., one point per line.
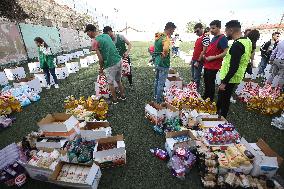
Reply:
x=266, y=50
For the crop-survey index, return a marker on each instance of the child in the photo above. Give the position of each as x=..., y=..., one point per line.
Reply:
x=46, y=61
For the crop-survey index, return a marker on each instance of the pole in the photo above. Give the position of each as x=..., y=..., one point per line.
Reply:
x=280, y=22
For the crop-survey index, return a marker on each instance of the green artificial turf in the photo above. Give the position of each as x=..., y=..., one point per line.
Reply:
x=142, y=170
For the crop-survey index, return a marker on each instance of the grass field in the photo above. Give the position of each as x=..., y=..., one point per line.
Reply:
x=142, y=169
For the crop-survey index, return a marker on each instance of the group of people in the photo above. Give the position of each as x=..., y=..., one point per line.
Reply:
x=232, y=62
x=111, y=50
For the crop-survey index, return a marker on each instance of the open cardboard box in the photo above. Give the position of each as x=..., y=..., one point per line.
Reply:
x=92, y=180
x=90, y=130
x=155, y=113
x=173, y=73
x=208, y=121
x=173, y=81
x=172, y=144
x=170, y=111
x=110, y=157
x=266, y=161
x=58, y=122
x=50, y=143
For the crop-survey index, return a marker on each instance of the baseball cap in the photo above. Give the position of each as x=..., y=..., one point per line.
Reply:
x=90, y=27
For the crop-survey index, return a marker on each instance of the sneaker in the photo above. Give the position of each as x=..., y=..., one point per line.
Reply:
x=232, y=100
x=123, y=98
x=48, y=87
x=56, y=86
x=114, y=102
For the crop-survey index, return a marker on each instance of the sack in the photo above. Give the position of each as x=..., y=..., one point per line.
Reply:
x=125, y=67
x=101, y=86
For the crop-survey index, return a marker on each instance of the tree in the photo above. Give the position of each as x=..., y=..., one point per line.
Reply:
x=190, y=26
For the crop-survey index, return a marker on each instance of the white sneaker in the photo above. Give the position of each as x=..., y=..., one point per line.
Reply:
x=232, y=100
x=56, y=86
x=48, y=87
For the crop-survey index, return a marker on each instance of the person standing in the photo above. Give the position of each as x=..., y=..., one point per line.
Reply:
x=162, y=59
x=266, y=50
x=46, y=61
x=213, y=58
x=176, y=44
x=253, y=35
x=277, y=67
x=120, y=42
x=109, y=60
x=234, y=65
x=200, y=47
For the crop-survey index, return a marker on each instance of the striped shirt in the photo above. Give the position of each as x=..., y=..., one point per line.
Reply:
x=206, y=41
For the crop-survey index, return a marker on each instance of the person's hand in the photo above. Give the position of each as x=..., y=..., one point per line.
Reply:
x=222, y=87
x=210, y=58
x=126, y=54
x=101, y=71
x=196, y=64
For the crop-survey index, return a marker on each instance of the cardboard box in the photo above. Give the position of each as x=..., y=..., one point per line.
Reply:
x=90, y=130
x=62, y=59
x=170, y=111
x=92, y=180
x=41, y=77
x=50, y=143
x=71, y=67
x=110, y=157
x=209, y=121
x=3, y=79
x=266, y=161
x=58, y=122
x=173, y=81
x=171, y=144
x=84, y=62
x=155, y=113
x=33, y=83
x=34, y=67
x=38, y=173
x=173, y=73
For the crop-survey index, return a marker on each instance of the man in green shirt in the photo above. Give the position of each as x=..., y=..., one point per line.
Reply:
x=234, y=65
x=109, y=60
x=162, y=59
x=120, y=42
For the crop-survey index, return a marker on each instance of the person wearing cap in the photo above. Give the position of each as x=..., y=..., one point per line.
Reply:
x=200, y=47
x=234, y=65
x=120, y=42
x=162, y=59
x=109, y=60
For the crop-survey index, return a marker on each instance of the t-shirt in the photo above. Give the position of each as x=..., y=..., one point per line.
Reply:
x=206, y=41
x=223, y=42
x=121, y=37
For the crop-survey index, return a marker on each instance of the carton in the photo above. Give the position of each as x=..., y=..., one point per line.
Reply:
x=172, y=144
x=58, y=122
x=33, y=83
x=50, y=143
x=173, y=73
x=110, y=157
x=41, y=77
x=173, y=81
x=90, y=130
x=92, y=180
x=208, y=121
x=155, y=113
x=266, y=161
x=170, y=111
x=34, y=67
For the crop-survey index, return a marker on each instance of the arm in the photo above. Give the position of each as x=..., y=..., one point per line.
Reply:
x=166, y=46
x=95, y=47
x=223, y=44
x=202, y=53
x=237, y=50
x=252, y=56
x=273, y=54
x=129, y=46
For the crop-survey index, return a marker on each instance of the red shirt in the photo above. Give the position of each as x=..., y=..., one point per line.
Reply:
x=198, y=47
x=213, y=50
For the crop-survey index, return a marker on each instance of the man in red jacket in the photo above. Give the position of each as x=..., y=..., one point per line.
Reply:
x=213, y=58
x=200, y=47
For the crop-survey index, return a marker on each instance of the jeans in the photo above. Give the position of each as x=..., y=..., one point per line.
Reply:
x=277, y=68
x=223, y=102
x=160, y=80
x=262, y=65
x=196, y=73
x=48, y=72
x=209, y=82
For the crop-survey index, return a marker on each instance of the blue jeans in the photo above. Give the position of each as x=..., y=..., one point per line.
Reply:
x=48, y=72
x=196, y=72
x=262, y=65
x=160, y=80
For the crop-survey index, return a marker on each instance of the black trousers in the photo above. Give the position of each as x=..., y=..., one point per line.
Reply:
x=223, y=102
x=209, y=83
